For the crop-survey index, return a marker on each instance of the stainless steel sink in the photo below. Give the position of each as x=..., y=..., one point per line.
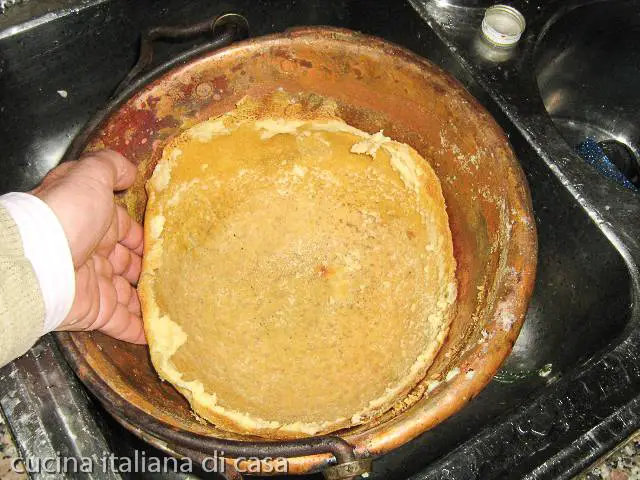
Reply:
x=588, y=72
x=570, y=387
x=572, y=75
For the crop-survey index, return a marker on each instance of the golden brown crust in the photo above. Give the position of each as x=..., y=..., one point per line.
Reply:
x=173, y=342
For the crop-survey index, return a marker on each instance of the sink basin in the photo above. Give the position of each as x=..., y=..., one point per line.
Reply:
x=565, y=362
x=588, y=72
x=563, y=82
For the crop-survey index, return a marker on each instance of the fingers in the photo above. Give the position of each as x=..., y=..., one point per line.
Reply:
x=105, y=301
x=95, y=299
x=125, y=256
x=127, y=295
x=110, y=236
x=124, y=322
x=130, y=232
x=134, y=304
x=126, y=263
x=102, y=266
x=124, y=325
x=108, y=303
x=110, y=168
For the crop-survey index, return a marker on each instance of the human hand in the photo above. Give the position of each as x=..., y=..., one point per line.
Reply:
x=105, y=243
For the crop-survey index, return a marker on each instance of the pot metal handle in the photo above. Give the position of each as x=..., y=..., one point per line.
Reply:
x=223, y=30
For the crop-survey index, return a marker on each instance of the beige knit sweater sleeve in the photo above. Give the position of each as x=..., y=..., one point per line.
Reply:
x=21, y=305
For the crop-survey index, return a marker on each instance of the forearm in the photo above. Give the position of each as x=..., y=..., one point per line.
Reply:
x=37, y=279
x=21, y=304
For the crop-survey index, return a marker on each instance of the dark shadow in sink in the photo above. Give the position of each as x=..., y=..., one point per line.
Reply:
x=588, y=73
x=582, y=298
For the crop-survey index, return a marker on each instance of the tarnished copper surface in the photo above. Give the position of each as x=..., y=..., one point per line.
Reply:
x=377, y=86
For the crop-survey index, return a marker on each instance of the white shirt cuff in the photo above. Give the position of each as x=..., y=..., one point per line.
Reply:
x=46, y=246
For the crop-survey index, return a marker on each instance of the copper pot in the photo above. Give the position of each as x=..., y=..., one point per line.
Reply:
x=377, y=85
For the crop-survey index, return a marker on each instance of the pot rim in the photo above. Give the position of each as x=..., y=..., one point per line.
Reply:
x=443, y=402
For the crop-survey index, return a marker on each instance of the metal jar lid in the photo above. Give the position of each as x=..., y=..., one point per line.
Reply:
x=503, y=25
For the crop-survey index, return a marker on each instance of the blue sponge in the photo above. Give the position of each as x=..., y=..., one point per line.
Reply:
x=593, y=154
